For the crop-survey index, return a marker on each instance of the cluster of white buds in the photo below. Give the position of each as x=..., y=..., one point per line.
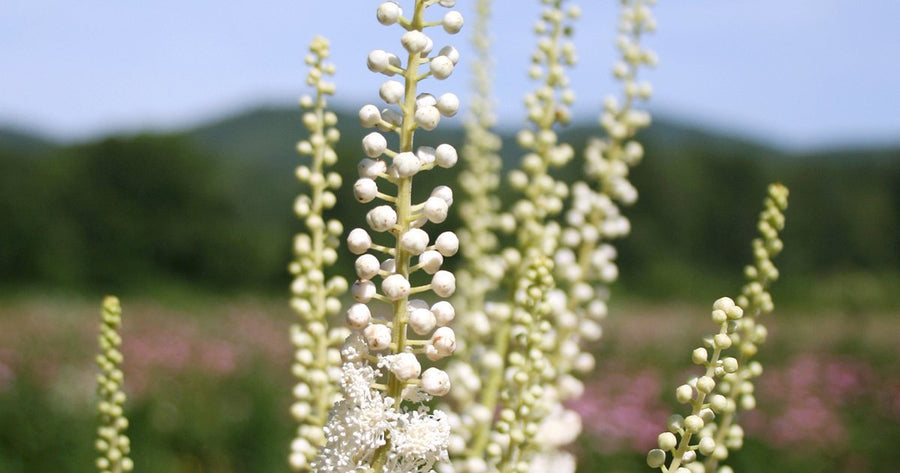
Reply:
x=688, y=436
x=750, y=333
x=529, y=374
x=482, y=268
x=112, y=443
x=726, y=386
x=585, y=261
x=315, y=297
x=407, y=261
x=517, y=321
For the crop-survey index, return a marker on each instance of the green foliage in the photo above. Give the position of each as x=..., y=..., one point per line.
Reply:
x=212, y=206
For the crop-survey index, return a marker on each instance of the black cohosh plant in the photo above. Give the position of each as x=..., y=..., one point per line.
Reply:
x=471, y=372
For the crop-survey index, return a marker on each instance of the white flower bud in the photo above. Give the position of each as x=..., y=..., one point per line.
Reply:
x=422, y=321
x=722, y=341
x=389, y=265
x=358, y=316
x=414, y=41
x=378, y=60
x=395, y=287
x=382, y=218
x=444, y=341
x=448, y=104
x=367, y=266
x=667, y=441
x=707, y=445
x=405, y=366
x=451, y=53
x=693, y=423
x=391, y=91
x=447, y=3
x=363, y=290
x=445, y=156
x=371, y=168
x=415, y=240
x=365, y=190
x=441, y=67
x=443, y=283
x=699, y=356
x=443, y=192
x=427, y=117
x=369, y=116
x=425, y=100
x=452, y=22
x=378, y=337
x=391, y=116
x=431, y=261
x=388, y=13
x=447, y=244
x=684, y=394
x=443, y=312
x=435, y=210
x=358, y=241
x=435, y=382
x=407, y=164
x=705, y=384
x=374, y=144
x=724, y=304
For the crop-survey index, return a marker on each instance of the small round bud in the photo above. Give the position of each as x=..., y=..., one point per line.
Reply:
x=427, y=117
x=707, y=445
x=724, y=304
x=435, y=382
x=443, y=283
x=374, y=144
x=414, y=41
x=422, y=321
x=395, y=287
x=365, y=190
x=378, y=337
x=451, y=53
x=667, y=441
x=441, y=67
x=435, y=210
x=405, y=366
x=367, y=266
x=443, y=192
x=684, y=394
x=370, y=168
x=391, y=91
x=452, y=22
x=656, y=458
x=700, y=356
x=369, y=116
x=431, y=261
x=378, y=60
x=444, y=341
x=718, y=402
x=447, y=243
x=705, y=384
x=415, y=240
x=407, y=164
x=443, y=313
x=358, y=316
x=382, y=218
x=358, y=241
x=363, y=290
x=388, y=13
x=722, y=341
x=448, y=104
x=693, y=423
x=445, y=156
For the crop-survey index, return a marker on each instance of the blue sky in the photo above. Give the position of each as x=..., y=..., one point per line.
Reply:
x=800, y=73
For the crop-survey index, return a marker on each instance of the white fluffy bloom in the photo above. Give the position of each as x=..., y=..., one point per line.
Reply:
x=418, y=440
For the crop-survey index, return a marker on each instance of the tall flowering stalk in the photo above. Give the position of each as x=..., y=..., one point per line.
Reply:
x=709, y=430
x=112, y=442
x=585, y=261
x=382, y=423
x=513, y=363
x=737, y=387
x=317, y=356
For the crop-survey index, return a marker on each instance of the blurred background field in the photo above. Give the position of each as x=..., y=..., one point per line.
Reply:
x=193, y=230
x=209, y=386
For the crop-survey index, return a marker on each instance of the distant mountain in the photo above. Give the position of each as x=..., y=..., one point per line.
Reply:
x=15, y=140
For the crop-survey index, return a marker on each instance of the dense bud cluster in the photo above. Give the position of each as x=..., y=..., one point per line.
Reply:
x=398, y=260
x=726, y=386
x=112, y=444
x=315, y=297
